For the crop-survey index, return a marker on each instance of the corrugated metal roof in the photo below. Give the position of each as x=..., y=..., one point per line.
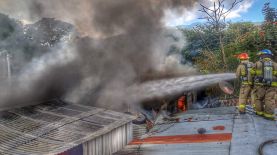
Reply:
x=54, y=126
x=248, y=132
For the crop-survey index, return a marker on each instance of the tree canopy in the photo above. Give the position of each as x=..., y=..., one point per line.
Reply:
x=204, y=46
x=270, y=14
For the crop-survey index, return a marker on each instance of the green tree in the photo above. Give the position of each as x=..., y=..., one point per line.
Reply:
x=216, y=17
x=199, y=38
x=242, y=37
x=238, y=37
x=269, y=28
x=270, y=14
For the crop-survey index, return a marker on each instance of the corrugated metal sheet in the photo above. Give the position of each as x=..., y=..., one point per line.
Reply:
x=55, y=126
x=248, y=131
x=110, y=142
x=139, y=131
x=78, y=150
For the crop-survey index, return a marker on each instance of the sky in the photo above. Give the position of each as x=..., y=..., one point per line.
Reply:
x=254, y=13
x=248, y=10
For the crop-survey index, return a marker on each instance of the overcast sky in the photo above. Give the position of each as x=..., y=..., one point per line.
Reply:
x=249, y=10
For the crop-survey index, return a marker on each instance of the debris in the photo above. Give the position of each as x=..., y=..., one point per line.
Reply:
x=220, y=127
x=226, y=87
x=201, y=131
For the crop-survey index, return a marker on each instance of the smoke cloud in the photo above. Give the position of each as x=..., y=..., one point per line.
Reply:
x=120, y=43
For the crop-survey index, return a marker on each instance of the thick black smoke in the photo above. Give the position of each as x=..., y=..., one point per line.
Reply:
x=126, y=42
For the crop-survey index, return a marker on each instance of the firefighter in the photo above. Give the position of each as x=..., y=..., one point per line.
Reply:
x=182, y=103
x=265, y=84
x=244, y=75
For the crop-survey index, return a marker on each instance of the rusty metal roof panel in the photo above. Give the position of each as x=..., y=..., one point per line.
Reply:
x=181, y=135
x=54, y=126
x=177, y=149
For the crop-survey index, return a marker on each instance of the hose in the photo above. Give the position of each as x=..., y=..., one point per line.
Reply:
x=261, y=146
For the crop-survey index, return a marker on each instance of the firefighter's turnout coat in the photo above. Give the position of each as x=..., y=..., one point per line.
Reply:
x=264, y=94
x=244, y=74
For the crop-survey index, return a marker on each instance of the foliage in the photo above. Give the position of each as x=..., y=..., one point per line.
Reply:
x=199, y=38
x=7, y=27
x=25, y=42
x=239, y=37
x=242, y=37
x=204, y=47
x=269, y=13
x=209, y=62
x=216, y=17
x=269, y=31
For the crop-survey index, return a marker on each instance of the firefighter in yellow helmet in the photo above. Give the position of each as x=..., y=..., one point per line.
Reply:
x=243, y=73
x=265, y=85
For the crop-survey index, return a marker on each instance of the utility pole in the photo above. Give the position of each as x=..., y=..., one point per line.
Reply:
x=8, y=66
x=7, y=57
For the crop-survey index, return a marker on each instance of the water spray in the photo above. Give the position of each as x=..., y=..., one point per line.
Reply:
x=161, y=88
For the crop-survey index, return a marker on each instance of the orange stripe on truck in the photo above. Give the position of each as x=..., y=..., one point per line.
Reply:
x=177, y=139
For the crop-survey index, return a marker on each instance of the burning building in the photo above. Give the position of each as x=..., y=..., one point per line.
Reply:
x=117, y=43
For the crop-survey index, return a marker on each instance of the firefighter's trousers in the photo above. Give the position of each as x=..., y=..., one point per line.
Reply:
x=244, y=95
x=265, y=100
